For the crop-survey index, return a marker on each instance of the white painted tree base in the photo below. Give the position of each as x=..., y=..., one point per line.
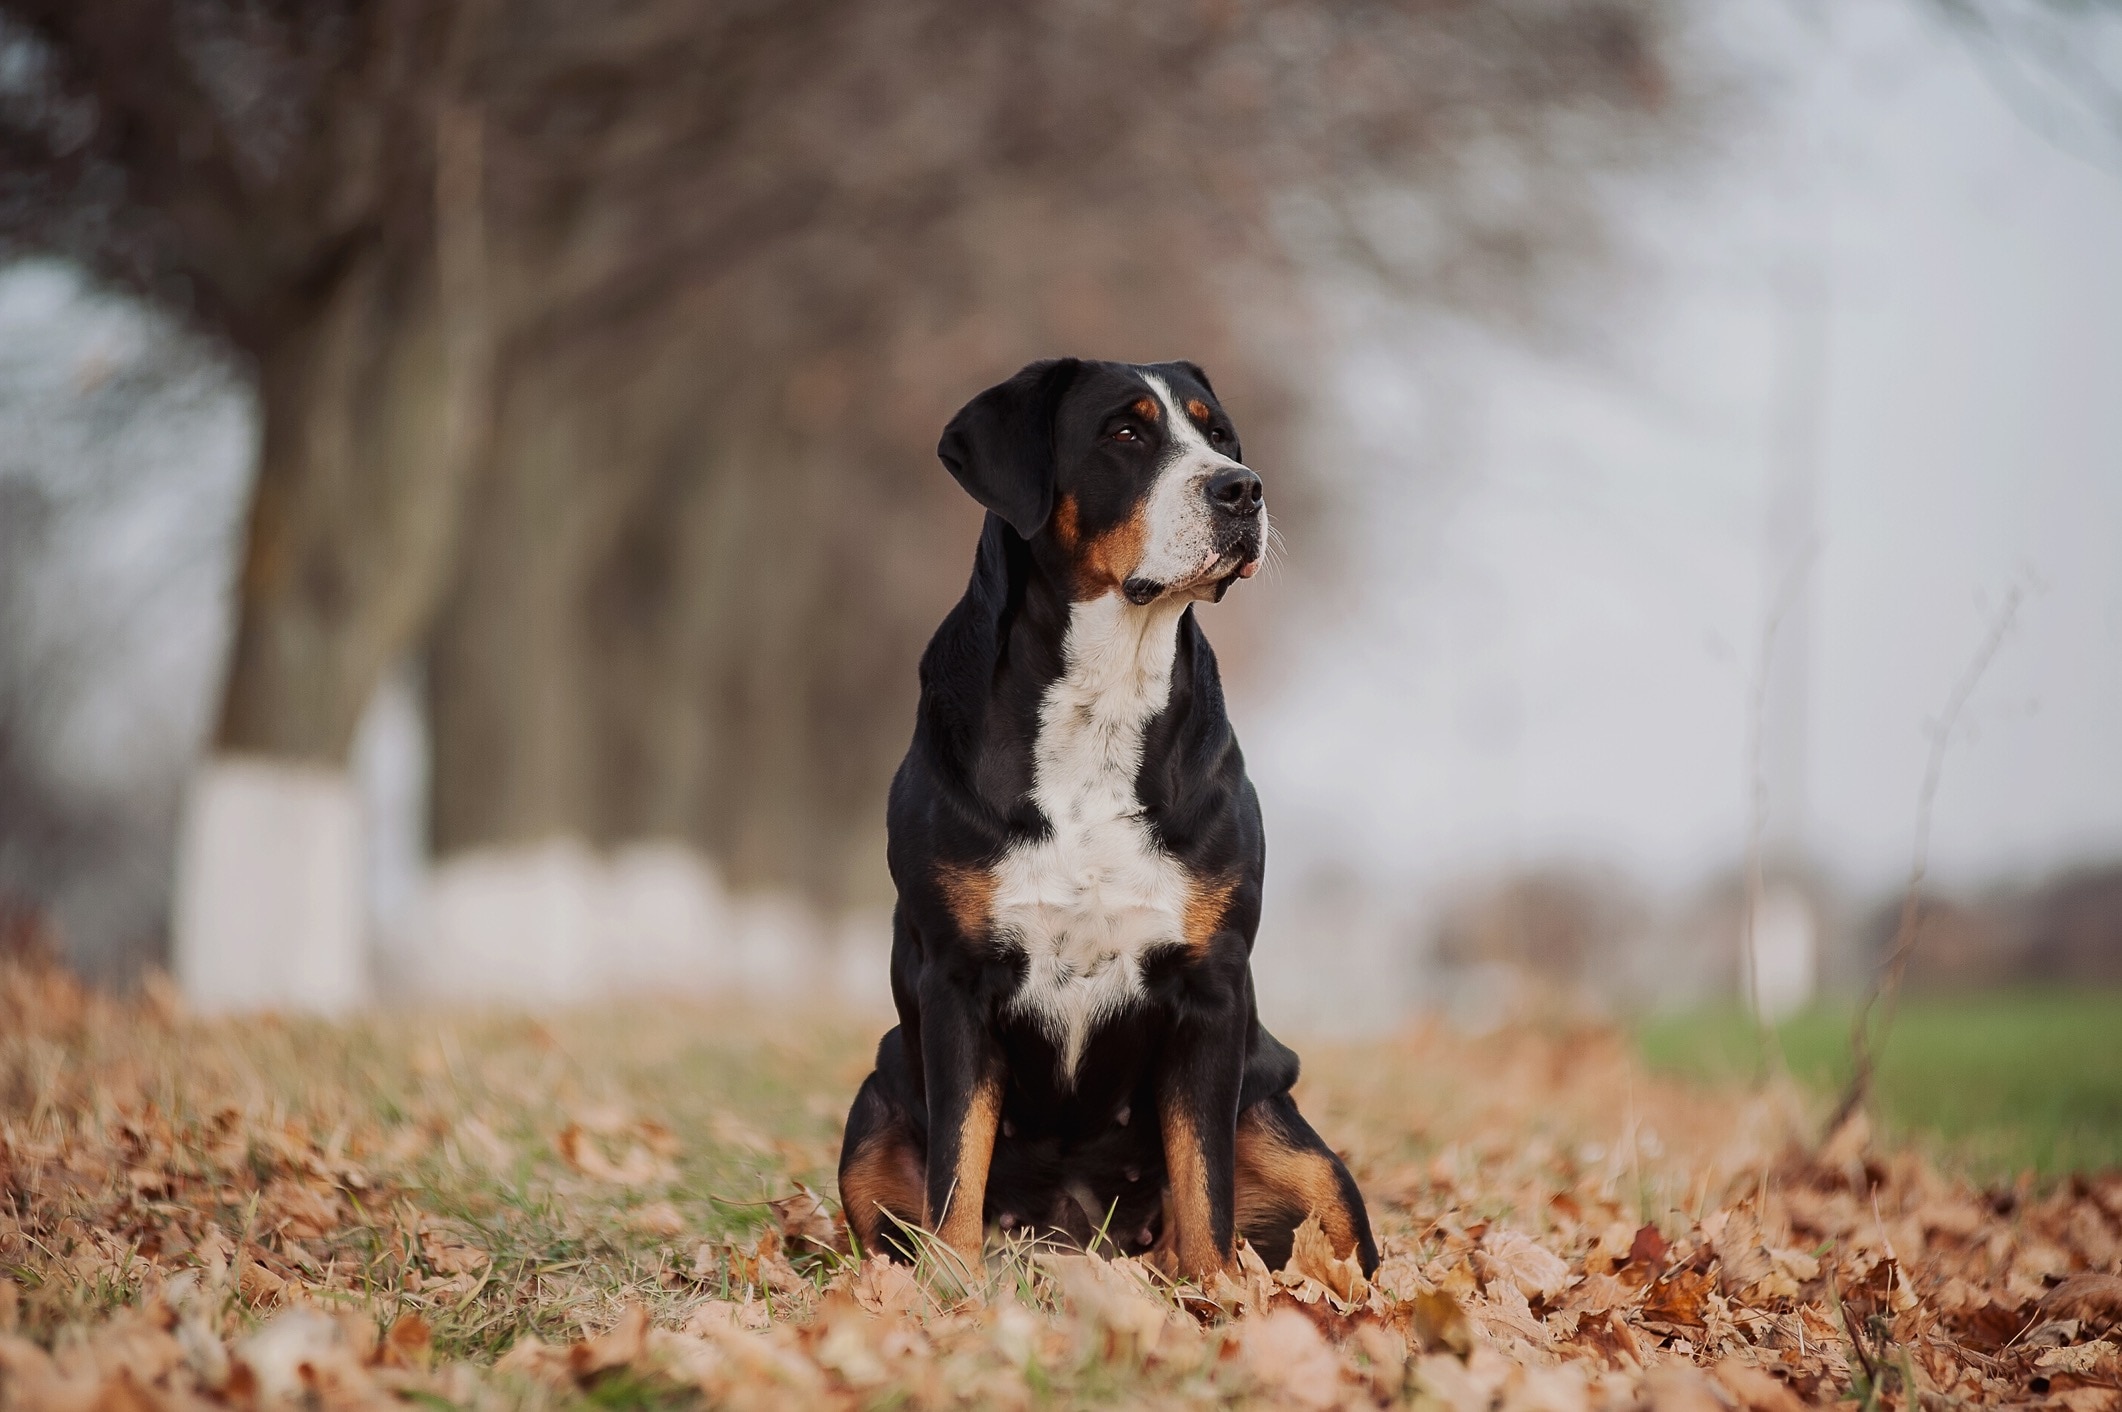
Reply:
x=1786, y=951
x=559, y=923
x=269, y=908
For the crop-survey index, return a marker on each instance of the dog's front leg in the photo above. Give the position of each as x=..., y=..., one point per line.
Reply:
x=964, y=1075
x=1204, y=1063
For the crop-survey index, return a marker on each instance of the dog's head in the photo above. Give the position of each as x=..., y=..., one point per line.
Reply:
x=1126, y=479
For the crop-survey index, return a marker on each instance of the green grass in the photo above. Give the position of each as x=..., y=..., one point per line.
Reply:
x=1997, y=1083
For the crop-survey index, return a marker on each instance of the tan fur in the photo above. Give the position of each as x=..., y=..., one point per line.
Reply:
x=1198, y=410
x=962, y=1228
x=1065, y=531
x=1108, y=560
x=1278, y=1184
x=1206, y=903
x=1147, y=409
x=883, y=1181
x=970, y=895
x=1105, y=561
x=1187, y=1224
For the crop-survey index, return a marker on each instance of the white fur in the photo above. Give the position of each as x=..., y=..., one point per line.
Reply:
x=1085, y=902
x=1179, y=518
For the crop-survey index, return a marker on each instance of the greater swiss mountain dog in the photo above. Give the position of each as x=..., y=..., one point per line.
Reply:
x=1078, y=856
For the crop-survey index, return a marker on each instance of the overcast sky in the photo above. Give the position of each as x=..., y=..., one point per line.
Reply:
x=1543, y=651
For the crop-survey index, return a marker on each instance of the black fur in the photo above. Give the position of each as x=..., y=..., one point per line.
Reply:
x=1082, y=1157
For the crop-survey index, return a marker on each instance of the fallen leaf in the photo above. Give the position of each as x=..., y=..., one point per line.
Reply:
x=1537, y=1272
x=1440, y=1323
x=1755, y=1390
x=805, y=1221
x=2083, y=1360
x=1311, y=1257
x=1679, y=1388
x=1681, y=1297
x=1284, y=1352
x=622, y=1344
x=638, y=1165
x=448, y=1253
x=2095, y=1299
x=658, y=1218
x=1742, y=1263
x=408, y=1344
x=1117, y=1295
x=301, y=1354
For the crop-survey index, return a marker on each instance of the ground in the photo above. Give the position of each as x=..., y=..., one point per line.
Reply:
x=1990, y=1082
x=617, y=1208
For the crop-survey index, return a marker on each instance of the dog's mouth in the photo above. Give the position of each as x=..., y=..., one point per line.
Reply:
x=1218, y=570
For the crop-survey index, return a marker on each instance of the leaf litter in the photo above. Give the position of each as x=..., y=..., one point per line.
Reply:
x=483, y=1211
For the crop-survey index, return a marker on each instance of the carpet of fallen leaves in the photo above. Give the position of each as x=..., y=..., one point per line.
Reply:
x=632, y=1207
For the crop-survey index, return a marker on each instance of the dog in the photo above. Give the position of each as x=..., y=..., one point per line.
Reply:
x=1078, y=855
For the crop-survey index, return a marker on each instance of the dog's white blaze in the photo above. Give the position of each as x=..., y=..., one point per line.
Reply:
x=1179, y=519
x=1085, y=902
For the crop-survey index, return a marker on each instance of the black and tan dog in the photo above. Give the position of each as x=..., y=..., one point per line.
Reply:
x=1078, y=855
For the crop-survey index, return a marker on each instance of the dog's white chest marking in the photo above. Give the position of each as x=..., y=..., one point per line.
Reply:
x=1085, y=902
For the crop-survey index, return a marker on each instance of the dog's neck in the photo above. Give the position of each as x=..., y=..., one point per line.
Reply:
x=1112, y=648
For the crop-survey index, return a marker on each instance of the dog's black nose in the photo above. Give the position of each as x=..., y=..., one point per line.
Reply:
x=1237, y=491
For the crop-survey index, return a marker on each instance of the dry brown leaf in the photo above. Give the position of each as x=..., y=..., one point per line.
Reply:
x=301, y=1354
x=2101, y=1361
x=1599, y=1293
x=1440, y=1323
x=448, y=1253
x=1535, y=1271
x=1681, y=1297
x=303, y=1209
x=638, y=1164
x=1285, y=1353
x=1678, y=1388
x=1119, y=1296
x=622, y=1344
x=806, y=1222
x=887, y=1289
x=256, y=1282
x=1755, y=1390
x=1647, y=1250
x=1742, y=1263
x=658, y=1218
x=1311, y=1257
x=2094, y=1299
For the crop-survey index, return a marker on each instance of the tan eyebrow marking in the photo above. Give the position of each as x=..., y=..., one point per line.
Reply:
x=1198, y=410
x=1147, y=409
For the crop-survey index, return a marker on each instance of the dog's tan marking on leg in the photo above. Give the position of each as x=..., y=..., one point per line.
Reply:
x=970, y=895
x=1278, y=1185
x=1189, y=1223
x=962, y=1228
x=881, y=1187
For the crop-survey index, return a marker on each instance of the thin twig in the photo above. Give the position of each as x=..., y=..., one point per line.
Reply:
x=1885, y=991
x=1767, y=1047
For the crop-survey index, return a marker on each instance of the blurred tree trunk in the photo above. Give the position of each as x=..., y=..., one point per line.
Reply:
x=353, y=516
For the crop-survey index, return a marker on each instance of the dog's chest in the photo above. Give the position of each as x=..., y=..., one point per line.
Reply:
x=1087, y=900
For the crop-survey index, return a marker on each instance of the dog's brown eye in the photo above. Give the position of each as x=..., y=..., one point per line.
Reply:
x=1217, y=436
x=1125, y=434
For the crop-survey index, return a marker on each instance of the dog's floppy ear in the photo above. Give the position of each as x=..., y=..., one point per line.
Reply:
x=1000, y=446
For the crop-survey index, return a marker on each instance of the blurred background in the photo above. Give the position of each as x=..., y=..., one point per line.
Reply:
x=468, y=513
